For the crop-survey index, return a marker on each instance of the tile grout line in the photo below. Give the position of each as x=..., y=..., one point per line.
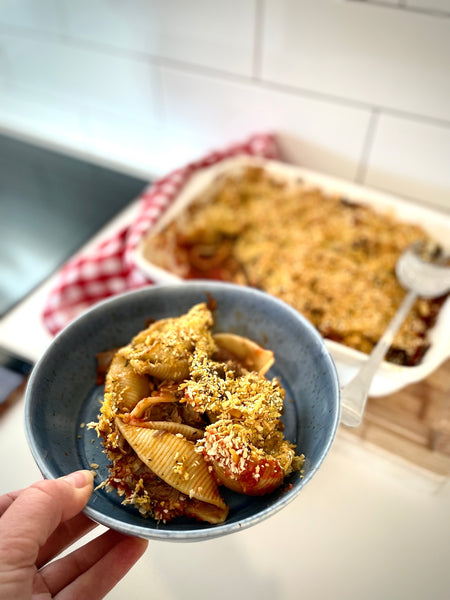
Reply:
x=258, y=40
x=369, y=138
x=351, y=103
x=404, y=7
x=195, y=69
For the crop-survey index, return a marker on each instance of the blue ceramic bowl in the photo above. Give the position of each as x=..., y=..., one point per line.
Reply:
x=62, y=396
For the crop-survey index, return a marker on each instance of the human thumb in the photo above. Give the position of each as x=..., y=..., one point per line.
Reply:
x=36, y=513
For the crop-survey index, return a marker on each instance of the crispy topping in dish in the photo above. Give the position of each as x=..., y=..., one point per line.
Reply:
x=175, y=433
x=332, y=259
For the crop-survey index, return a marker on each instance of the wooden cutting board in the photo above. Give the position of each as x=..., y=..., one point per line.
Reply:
x=413, y=424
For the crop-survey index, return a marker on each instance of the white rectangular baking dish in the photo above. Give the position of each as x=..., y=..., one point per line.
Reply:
x=390, y=377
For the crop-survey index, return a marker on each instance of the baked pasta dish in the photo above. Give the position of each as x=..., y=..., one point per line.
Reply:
x=185, y=412
x=331, y=259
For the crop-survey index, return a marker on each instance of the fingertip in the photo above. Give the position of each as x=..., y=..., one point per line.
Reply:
x=132, y=546
x=132, y=549
x=80, y=479
x=124, y=538
x=141, y=543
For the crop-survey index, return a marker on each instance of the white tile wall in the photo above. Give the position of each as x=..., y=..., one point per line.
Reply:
x=42, y=118
x=411, y=158
x=81, y=76
x=41, y=15
x=380, y=2
x=313, y=131
x=443, y=5
x=214, y=34
x=362, y=52
x=140, y=144
x=358, y=89
x=430, y=6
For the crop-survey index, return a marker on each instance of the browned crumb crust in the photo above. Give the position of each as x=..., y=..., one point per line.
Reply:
x=232, y=415
x=333, y=260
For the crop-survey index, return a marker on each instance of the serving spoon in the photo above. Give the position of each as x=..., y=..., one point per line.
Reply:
x=421, y=278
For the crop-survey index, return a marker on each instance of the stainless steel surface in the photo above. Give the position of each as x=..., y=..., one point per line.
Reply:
x=50, y=205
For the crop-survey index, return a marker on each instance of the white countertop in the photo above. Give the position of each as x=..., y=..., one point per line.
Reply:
x=366, y=526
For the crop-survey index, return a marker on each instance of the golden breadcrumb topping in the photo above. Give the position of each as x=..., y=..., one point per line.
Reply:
x=245, y=410
x=173, y=405
x=167, y=344
x=332, y=259
x=223, y=391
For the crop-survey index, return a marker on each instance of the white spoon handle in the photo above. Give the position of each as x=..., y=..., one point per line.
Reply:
x=354, y=394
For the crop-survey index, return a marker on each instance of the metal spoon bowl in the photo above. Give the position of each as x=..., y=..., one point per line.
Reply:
x=428, y=279
x=422, y=278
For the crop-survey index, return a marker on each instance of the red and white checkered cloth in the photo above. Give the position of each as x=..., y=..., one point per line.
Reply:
x=109, y=268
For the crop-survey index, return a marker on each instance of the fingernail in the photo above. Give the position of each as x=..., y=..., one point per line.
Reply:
x=79, y=479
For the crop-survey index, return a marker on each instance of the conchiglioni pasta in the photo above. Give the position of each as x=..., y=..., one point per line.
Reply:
x=185, y=412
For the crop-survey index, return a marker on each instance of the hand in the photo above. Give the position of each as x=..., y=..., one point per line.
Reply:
x=38, y=523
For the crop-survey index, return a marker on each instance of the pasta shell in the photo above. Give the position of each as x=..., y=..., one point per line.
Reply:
x=206, y=512
x=150, y=354
x=190, y=433
x=164, y=349
x=259, y=478
x=174, y=370
x=125, y=385
x=249, y=353
x=174, y=460
x=156, y=327
x=145, y=403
